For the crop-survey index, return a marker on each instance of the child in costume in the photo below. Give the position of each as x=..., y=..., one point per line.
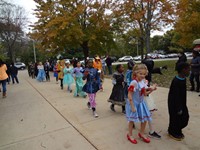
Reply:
x=41, y=73
x=79, y=81
x=68, y=78
x=177, y=103
x=91, y=86
x=60, y=67
x=136, y=109
x=117, y=95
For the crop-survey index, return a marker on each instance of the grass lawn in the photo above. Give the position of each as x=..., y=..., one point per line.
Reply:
x=165, y=79
x=168, y=75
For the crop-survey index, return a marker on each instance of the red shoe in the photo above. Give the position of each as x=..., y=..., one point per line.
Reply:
x=146, y=140
x=131, y=140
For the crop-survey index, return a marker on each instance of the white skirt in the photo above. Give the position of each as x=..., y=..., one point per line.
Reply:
x=150, y=103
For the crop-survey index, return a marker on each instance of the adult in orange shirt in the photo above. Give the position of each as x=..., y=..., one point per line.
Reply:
x=98, y=65
x=3, y=77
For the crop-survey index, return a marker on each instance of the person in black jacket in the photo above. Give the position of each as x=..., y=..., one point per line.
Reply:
x=109, y=64
x=177, y=103
x=14, y=72
x=150, y=65
x=182, y=58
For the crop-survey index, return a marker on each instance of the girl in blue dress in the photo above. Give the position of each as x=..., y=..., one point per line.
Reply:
x=136, y=109
x=68, y=78
x=41, y=73
x=78, y=73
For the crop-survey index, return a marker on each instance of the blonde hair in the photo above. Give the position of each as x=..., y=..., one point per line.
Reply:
x=138, y=67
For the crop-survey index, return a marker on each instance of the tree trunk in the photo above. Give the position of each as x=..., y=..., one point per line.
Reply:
x=148, y=27
x=85, y=48
x=142, y=47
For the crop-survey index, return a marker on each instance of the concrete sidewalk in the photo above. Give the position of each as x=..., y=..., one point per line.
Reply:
x=38, y=116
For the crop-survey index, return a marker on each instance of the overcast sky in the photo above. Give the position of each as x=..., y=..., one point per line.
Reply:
x=29, y=5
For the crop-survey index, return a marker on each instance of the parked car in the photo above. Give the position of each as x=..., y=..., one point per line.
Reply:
x=172, y=55
x=161, y=56
x=125, y=58
x=188, y=54
x=20, y=65
x=137, y=58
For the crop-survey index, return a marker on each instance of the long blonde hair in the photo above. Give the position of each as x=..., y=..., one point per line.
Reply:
x=138, y=67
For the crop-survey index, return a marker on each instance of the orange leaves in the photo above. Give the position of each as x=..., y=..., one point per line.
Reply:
x=188, y=25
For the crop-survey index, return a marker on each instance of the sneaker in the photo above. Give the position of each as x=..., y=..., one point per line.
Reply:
x=95, y=114
x=154, y=135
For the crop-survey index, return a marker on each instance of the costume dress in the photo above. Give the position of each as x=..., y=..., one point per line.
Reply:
x=79, y=82
x=142, y=113
x=128, y=79
x=117, y=95
x=92, y=85
x=68, y=78
x=41, y=73
x=178, y=111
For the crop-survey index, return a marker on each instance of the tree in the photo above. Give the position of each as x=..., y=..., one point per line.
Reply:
x=12, y=20
x=187, y=25
x=73, y=24
x=147, y=16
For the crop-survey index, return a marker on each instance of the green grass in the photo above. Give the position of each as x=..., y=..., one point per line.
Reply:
x=165, y=79
x=168, y=75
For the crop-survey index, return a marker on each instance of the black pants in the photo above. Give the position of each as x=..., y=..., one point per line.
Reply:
x=47, y=76
x=14, y=78
x=178, y=122
x=61, y=83
x=195, y=76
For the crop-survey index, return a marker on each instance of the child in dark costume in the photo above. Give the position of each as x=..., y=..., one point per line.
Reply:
x=178, y=112
x=117, y=95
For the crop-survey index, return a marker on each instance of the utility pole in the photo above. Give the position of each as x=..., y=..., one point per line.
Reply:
x=34, y=51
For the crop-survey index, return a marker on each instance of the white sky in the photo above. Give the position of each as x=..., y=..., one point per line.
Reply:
x=29, y=5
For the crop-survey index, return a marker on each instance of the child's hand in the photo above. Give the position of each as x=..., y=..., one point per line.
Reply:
x=133, y=109
x=86, y=73
x=154, y=87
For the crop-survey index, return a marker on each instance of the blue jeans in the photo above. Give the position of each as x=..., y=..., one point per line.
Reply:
x=3, y=82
